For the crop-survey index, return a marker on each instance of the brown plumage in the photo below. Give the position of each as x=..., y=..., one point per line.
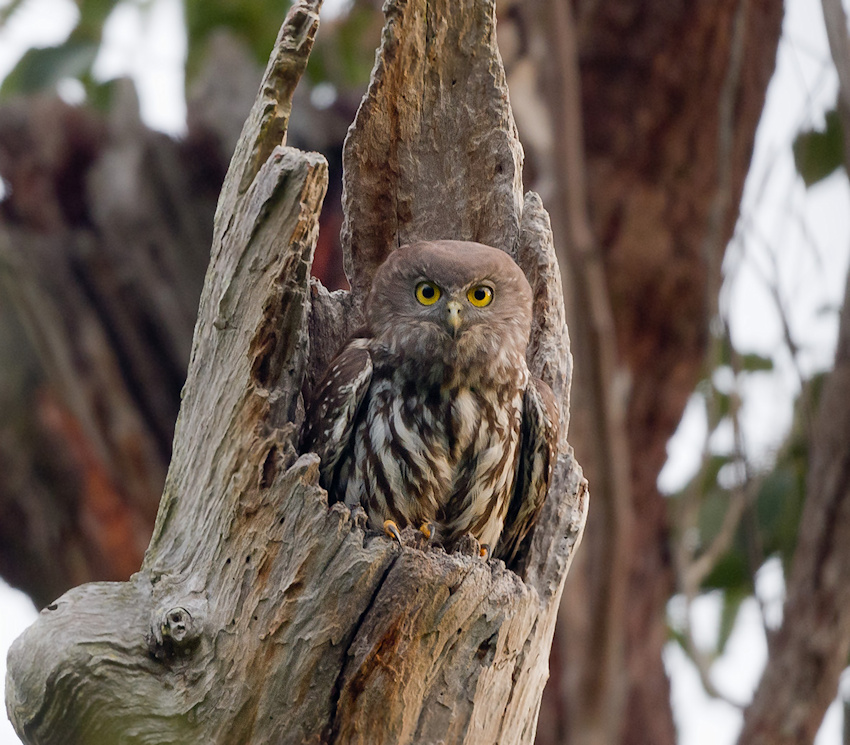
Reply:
x=430, y=414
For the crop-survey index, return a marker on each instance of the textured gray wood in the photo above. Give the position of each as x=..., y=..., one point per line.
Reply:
x=260, y=613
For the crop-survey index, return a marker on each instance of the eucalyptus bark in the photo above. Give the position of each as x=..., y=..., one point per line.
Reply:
x=261, y=613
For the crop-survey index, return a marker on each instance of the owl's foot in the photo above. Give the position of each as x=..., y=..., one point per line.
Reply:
x=391, y=529
x=428, y=529
x=468, y=545
x=484, y=552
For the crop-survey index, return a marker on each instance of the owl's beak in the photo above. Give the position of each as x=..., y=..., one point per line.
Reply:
x=454, y=318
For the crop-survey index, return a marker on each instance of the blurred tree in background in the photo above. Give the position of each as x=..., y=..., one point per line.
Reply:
x=638, y=119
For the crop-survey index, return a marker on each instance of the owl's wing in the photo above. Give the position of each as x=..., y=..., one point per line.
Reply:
x=332, y=411
x=538, y=452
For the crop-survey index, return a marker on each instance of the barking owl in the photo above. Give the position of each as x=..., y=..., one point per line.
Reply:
x=429, y=416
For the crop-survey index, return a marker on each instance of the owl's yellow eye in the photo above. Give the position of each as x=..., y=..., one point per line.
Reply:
x=480, y=295
x=427, y=293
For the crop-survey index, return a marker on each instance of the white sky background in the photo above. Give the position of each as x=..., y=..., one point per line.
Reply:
x=796, y=239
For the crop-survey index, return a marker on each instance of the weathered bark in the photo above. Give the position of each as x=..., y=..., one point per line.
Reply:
x=647, y=175
x=809, y=651
x=260, y=613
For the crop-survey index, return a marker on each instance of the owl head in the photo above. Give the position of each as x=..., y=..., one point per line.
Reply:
x=459, y=301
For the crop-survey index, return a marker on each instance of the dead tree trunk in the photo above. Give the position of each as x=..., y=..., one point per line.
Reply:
x=261, y=614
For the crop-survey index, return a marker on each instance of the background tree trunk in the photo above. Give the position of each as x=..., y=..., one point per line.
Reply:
x=103, y=246
x=638, y=120
x=260, y=614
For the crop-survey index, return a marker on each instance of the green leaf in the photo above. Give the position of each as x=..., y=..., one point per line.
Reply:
x=677, y=636
x=731, y=573
x=710, y=472
x=100, y=95
x=725, y=352
x=256, y=22
x=755, y=363
x=817, y=154
x=779, y=508
x=93, y=14
x=40, y=69
x=722, y=407
x=732, y=600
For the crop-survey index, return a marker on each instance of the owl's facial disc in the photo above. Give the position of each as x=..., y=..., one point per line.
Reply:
x=455, y=301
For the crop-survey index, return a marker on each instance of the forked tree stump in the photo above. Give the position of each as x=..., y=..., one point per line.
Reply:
x=261, y=614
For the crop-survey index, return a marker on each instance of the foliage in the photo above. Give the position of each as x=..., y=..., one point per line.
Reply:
x=768, y=527
x=818, y=153
x=42, y=68
x=344, y=52
x=255, y=22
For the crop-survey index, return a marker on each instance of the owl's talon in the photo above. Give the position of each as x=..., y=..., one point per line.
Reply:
x=391, y=529
x=428, y=529
x=484, y=552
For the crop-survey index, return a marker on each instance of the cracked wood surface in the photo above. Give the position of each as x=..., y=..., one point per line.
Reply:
x=261, y=613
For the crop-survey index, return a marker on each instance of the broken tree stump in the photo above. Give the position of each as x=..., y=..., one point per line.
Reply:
x=261, y=613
